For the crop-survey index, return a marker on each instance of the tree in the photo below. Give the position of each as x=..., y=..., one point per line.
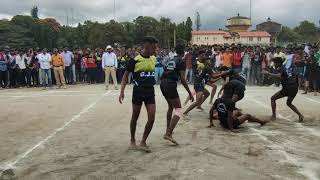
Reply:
x=15, y=36
x=188, y=29
x=287, y=35
x=34, y=12
x=307, y=31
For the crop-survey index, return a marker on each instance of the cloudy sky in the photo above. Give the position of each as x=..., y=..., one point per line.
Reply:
x=213, y=12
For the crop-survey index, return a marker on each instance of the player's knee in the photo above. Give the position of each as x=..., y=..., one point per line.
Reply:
x=289, y=103
x=178, y=112
x=273, y=99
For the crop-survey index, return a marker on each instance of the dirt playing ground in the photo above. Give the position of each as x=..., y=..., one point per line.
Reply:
x=83, y=133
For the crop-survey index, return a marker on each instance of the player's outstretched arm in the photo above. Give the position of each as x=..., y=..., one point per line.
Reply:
x=123, y=85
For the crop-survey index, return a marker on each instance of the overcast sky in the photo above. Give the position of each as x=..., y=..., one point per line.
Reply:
x=213, y=12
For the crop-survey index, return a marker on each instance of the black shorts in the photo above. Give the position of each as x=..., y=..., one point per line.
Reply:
x=224, y=123
x=169, y=89
x=143, y=95
x=235, y=87
x=199, y=87
x=290, y=91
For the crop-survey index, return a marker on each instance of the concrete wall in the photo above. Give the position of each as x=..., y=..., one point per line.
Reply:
x=219, y=39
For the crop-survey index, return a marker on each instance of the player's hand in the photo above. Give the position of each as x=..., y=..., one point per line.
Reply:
x=191, y=97
x=265, y=72
x=121, y=97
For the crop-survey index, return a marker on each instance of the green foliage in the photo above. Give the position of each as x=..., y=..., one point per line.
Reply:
x=305, y=32
x=34, y=12
x=29, y=31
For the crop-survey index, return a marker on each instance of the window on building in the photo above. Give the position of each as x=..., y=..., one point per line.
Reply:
x=259, y=38
x=250, y=39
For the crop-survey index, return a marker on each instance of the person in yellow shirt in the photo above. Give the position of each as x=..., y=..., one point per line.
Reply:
x=58, y=68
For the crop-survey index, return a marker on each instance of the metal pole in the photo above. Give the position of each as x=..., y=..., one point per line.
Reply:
x=114, y=9
x=174, y=38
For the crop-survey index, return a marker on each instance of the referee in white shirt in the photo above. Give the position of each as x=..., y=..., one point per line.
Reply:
x=110, y=65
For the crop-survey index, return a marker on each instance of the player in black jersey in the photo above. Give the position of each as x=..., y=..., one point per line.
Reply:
x=290, y=84
x=231, y=75
x=202, y=71
x=173, y=72
x=142, y=67
x=229, y=117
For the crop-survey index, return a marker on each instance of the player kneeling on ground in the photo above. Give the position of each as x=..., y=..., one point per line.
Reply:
x=229, y=117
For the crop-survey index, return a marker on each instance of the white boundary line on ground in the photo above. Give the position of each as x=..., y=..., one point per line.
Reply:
x=312, y=100
x=297, y=125
x=306, y=169
x=12, y=164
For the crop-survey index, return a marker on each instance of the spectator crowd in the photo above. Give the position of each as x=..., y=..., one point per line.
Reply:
x=62, y=67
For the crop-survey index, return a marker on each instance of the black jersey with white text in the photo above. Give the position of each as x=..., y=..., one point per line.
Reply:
x=172, y=69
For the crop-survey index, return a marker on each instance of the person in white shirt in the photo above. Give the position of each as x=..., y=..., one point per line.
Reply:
x=172, y=54
x=21, y=69
x=110, y=65
x=68, y=62
x=45, y=68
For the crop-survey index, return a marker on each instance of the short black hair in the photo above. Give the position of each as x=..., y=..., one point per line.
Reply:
x=149, y=39
x=179, y=49
x=278, y=60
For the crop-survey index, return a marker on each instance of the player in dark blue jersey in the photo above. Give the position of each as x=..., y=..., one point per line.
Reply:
x=289, y=80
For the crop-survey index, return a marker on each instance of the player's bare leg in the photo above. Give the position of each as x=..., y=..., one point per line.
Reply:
x=294, y=108
x=274, y=98
x=213, y=92
x=174, y=119
x=133, y=124
x=151, y=110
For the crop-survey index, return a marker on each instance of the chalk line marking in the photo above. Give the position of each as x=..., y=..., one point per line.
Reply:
x=56, y=131
x=297, y=125
x=307, y=169
x=312, y=100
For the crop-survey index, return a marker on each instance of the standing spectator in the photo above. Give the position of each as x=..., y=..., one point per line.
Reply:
x=21, y=69
x=236, y=63
x=158, y=67
x=189, y=70
x=264, y=67
x=58, y=67
x=110, y=65
x=68, y=63
x=99, y=70
x=317, y=59
x=280, y=54
x=246, y=63
x=90, y=62
x=299, y=63
x=121, y=64
x=12, y=69
x=78, y=63
x=45, y=68
x=218, y=62
x=256, y=67
x=34, y=66
x=172, y=53
x=227, y=58
x=311, y=74
x=3, y=70
x=28, y=58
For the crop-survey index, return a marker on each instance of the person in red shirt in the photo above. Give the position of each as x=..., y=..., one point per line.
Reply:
x=236, y=65
x=90, y=61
